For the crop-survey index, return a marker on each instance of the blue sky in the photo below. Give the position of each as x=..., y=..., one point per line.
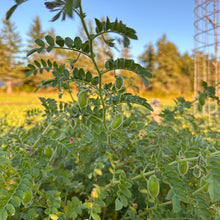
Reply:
x=150, y=18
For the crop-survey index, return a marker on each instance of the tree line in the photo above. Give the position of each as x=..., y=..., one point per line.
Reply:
x=172, y=71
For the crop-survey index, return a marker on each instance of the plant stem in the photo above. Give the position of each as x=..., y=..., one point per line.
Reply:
x=217, y=84
x=160, y=205
x=182, y=160
x=143, y=174
x=110, y=145
x=70, y=91
x=92, y=56
x=215, y=153
x=36, y=188
x=200, y=189
x=170, y=164
x=73, y=49
x=173, y=163
x=43, y=133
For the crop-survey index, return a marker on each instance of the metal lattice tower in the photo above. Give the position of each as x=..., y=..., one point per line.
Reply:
x=207, y=60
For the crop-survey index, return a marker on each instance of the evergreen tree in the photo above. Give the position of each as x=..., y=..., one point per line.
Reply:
x=125, y=53
x=148, y=58
x=11, y=71
x=11, y=38
x=187, y=66
x=187, y=73
x=171, y=71
x=51, y=32
x=168, y=58
x=35, y=32
x=168, y=61
x=4, y=67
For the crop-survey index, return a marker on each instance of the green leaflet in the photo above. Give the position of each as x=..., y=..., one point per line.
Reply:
x=10, y=209
x=129, y=98
x=176, y=204
x=50, y=40
x=128, y=64
x=10, y=11
x=27, y=198
x=115, y=27
x=95, y=216
x=16, y=201
x=69, y=8
x=40, y=42
x=171, y=177
x=119, y=82
x=201, y=204
x=118, y=205
x=69, y=42
x=98, y=25
x=73, y=207
x=77, y=43
x=214, y=178
x=3, y=214
x=32, y=51
x=60, y=41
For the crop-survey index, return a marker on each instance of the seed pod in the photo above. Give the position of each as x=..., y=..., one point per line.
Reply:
x=202, y=99
x=153, y=186
x=61, y=165
x=119, y=82
x=199, y=107
x=48, y=151
x=72, y=123
x=117, y=122
x=82, y=98
x=183, y=167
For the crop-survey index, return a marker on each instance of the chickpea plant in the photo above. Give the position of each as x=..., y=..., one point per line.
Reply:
x=89, y=160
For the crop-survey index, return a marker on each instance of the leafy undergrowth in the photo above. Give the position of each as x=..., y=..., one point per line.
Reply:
x=63, y=168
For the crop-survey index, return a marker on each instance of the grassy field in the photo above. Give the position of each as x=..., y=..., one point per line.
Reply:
x=32, y=99
x=23, y=99
x=14, y=107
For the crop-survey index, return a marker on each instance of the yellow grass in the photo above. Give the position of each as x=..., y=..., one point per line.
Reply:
x=14, y=107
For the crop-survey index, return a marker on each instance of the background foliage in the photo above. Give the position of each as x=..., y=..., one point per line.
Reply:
x=163, y=59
